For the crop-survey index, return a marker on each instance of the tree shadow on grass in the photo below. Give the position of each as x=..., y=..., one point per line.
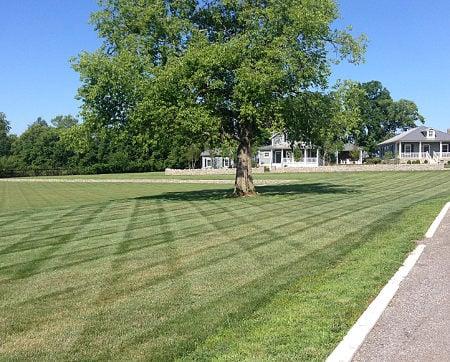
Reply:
x=268, y=190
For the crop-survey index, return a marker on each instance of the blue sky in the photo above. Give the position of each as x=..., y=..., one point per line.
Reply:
x=409, y=52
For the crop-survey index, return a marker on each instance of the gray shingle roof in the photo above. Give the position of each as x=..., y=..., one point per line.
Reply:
x=209, y=153
x=277, y=147
x=418, y=134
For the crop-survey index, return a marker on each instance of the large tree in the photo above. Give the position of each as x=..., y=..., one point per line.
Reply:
x=211, y=71
x=381, y=116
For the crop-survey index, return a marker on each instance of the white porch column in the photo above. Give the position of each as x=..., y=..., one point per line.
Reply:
x=361, y=156
x=271, y=159
x=306, y=155
x=440, y=149
x=420, y=150
x=317, y=156
x=400, y=150
x=259, y=158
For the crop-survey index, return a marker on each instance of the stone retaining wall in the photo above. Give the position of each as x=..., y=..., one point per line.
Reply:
x=363, y=168
x=341, y=168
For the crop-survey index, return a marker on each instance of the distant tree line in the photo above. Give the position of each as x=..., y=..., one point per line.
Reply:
x=65, y=146
x=361, y=113
x=364, y=114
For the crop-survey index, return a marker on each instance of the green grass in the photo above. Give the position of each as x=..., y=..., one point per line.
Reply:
x=164, y=271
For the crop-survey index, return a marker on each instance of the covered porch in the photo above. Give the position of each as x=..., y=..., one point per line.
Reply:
x=424, y=144
x=430, y=151
x=284, y=157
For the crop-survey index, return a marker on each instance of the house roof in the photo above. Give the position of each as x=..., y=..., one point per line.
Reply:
x=210, y=153
x=277, y=147
x=418, y=134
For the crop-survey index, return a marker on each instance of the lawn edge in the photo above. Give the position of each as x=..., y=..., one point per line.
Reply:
x=357, y=334
x=435, y=225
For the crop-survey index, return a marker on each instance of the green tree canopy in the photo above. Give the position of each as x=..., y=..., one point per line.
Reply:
x=209, y=71
x=64, y=122
x=326, y=120
x=39, y=147
x=381, y=116
x=5, y=138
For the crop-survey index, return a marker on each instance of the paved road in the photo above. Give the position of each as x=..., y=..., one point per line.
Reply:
x=416, y=325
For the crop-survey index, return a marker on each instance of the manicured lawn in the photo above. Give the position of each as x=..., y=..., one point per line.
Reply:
x=167, y=271
x=162, y=176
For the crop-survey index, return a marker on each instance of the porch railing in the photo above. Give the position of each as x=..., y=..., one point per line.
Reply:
x=312, y=160
x=444, y=154
x=307, y=160
x=412, y=155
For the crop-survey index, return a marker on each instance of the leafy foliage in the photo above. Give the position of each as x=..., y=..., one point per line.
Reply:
x=65, y=122
x=382, y=116
x=297, y=153
x=5, y=137
x=68, y=147
x=40, y=147
x=327, y=120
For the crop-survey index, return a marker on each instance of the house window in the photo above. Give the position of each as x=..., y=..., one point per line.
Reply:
x=226, y=162
x=408, y=148
x=208, y=162
x=445, y=148
x=277, y=140
x=431, y=133
x=266, y=154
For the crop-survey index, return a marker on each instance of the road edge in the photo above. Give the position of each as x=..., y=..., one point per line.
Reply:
x=355, y=337
x=435, y=225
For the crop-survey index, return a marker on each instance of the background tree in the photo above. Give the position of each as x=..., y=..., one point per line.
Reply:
x=64, y=122
x=326, y=120
x=192, y=155
x=5, y=137
x=212, y=71
x=382, y=117
x=39, y=147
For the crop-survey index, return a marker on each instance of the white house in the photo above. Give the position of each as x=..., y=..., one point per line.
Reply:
x=419, y=144
x=280, y=154
x=210, y=160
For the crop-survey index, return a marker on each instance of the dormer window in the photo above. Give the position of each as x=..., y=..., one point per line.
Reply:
x=278, y=139
x=431, y=133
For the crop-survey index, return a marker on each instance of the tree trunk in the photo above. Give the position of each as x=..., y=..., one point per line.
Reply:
x=243, y=185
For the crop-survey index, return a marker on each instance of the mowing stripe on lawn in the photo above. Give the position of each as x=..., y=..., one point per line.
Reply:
x=151, y=225
x=263, y=243
x=263, y=229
